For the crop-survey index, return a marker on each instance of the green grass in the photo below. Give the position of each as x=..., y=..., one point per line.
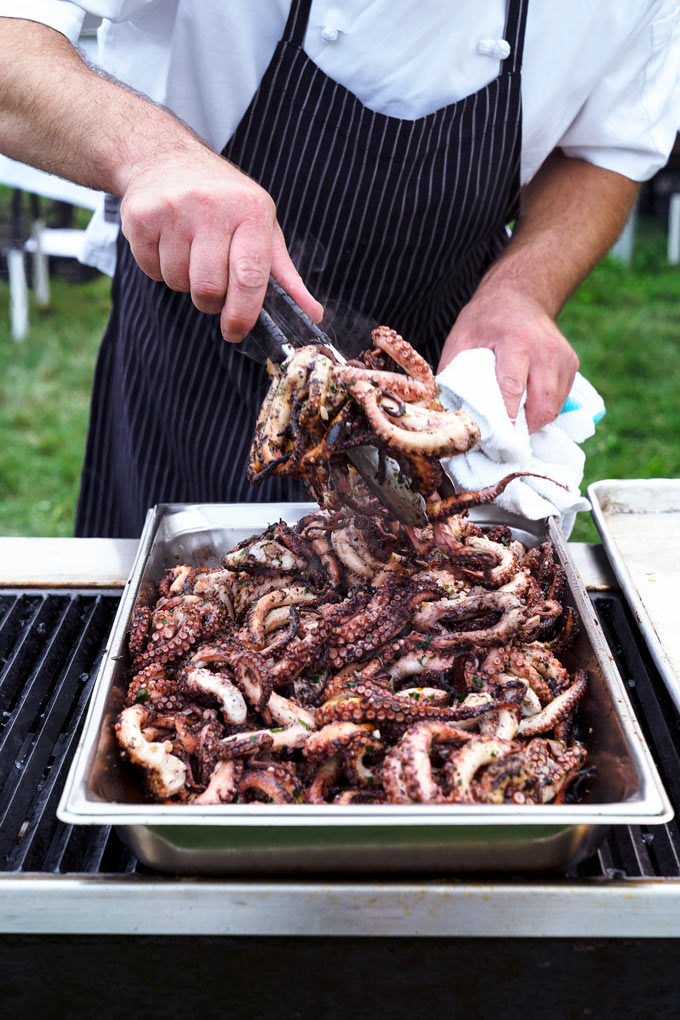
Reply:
x=624, y=323
x=45, y=384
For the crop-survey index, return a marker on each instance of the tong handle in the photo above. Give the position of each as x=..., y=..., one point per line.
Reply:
x=279, y=301
x=281, y=327
x=265, y=342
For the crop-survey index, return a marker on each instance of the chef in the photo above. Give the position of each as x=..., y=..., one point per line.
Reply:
x=370, y=154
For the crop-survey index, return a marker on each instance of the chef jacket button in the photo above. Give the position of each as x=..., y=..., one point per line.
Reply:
x=329, y=33
x=498, y=48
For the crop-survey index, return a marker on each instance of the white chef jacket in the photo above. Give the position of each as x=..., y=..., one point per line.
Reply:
x=600, y=78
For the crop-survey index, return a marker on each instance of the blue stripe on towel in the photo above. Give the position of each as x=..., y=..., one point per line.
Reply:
x=570, y=404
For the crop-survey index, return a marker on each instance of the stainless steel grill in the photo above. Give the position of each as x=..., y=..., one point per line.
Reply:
x=50, y=645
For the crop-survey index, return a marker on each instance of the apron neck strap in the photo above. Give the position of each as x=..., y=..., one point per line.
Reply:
x=296, y=26
x=515, y=25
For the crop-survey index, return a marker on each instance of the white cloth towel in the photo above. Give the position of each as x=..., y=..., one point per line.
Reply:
x=469, y=383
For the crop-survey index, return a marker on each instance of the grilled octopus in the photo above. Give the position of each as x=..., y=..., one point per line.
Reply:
x=350, y=658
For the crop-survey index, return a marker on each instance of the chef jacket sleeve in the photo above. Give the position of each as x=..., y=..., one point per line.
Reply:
x=67, y=17
x=629, y=122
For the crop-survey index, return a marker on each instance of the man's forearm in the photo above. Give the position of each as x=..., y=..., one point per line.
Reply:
x=571, y=214
x=60, y=115
x=192, y=219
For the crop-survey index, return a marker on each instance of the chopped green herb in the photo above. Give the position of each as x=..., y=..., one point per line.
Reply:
x=302, y=721
x=477, y=682
x=279, y=729
x=142, y=695
x=421, y=661
x=425, y=643
x=414, y=694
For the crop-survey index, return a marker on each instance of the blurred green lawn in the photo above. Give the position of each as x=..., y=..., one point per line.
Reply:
x=624, y=323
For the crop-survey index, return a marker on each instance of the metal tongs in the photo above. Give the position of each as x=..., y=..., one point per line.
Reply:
x=283, y=327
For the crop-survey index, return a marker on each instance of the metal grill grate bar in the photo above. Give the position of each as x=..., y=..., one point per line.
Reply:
x=651, y=701
x=31, y=693
x=36, y=851
x=25, y=624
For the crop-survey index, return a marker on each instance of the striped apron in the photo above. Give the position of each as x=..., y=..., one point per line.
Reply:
x=388, y=220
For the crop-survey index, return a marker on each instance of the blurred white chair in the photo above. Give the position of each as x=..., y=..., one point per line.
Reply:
x=43, y=242
x=674, y=230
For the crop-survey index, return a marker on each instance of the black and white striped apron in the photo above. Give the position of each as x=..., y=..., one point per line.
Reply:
x=388, y=220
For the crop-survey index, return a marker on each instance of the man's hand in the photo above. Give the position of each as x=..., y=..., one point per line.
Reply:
x=192, y=219
x=531, y=353
x=202, y=226
x=572, y=212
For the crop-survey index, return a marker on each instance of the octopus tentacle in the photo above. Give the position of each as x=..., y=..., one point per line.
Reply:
x=223, y=784
x=165, y=773
x=272, y=782
x=176, y=580
x=365, y=796
x=325, y=778
x=256, y=619
x=460, y=770
x=440, y=509
x=361, y=636
x=220, y=687
x=511, y=611
x=435, y=433
x=386, y=382
x=393, y=344
x=564, y=703
x=173, y=640
x=376, y=705
x=139, y=628
x=415, y=748
x=352, y=742
x=251, y=672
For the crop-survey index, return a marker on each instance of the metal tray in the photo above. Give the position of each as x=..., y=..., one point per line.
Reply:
x=639, y=521
x=267, y=838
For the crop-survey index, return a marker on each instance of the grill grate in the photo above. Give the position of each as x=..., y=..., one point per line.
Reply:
x=51, y=643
